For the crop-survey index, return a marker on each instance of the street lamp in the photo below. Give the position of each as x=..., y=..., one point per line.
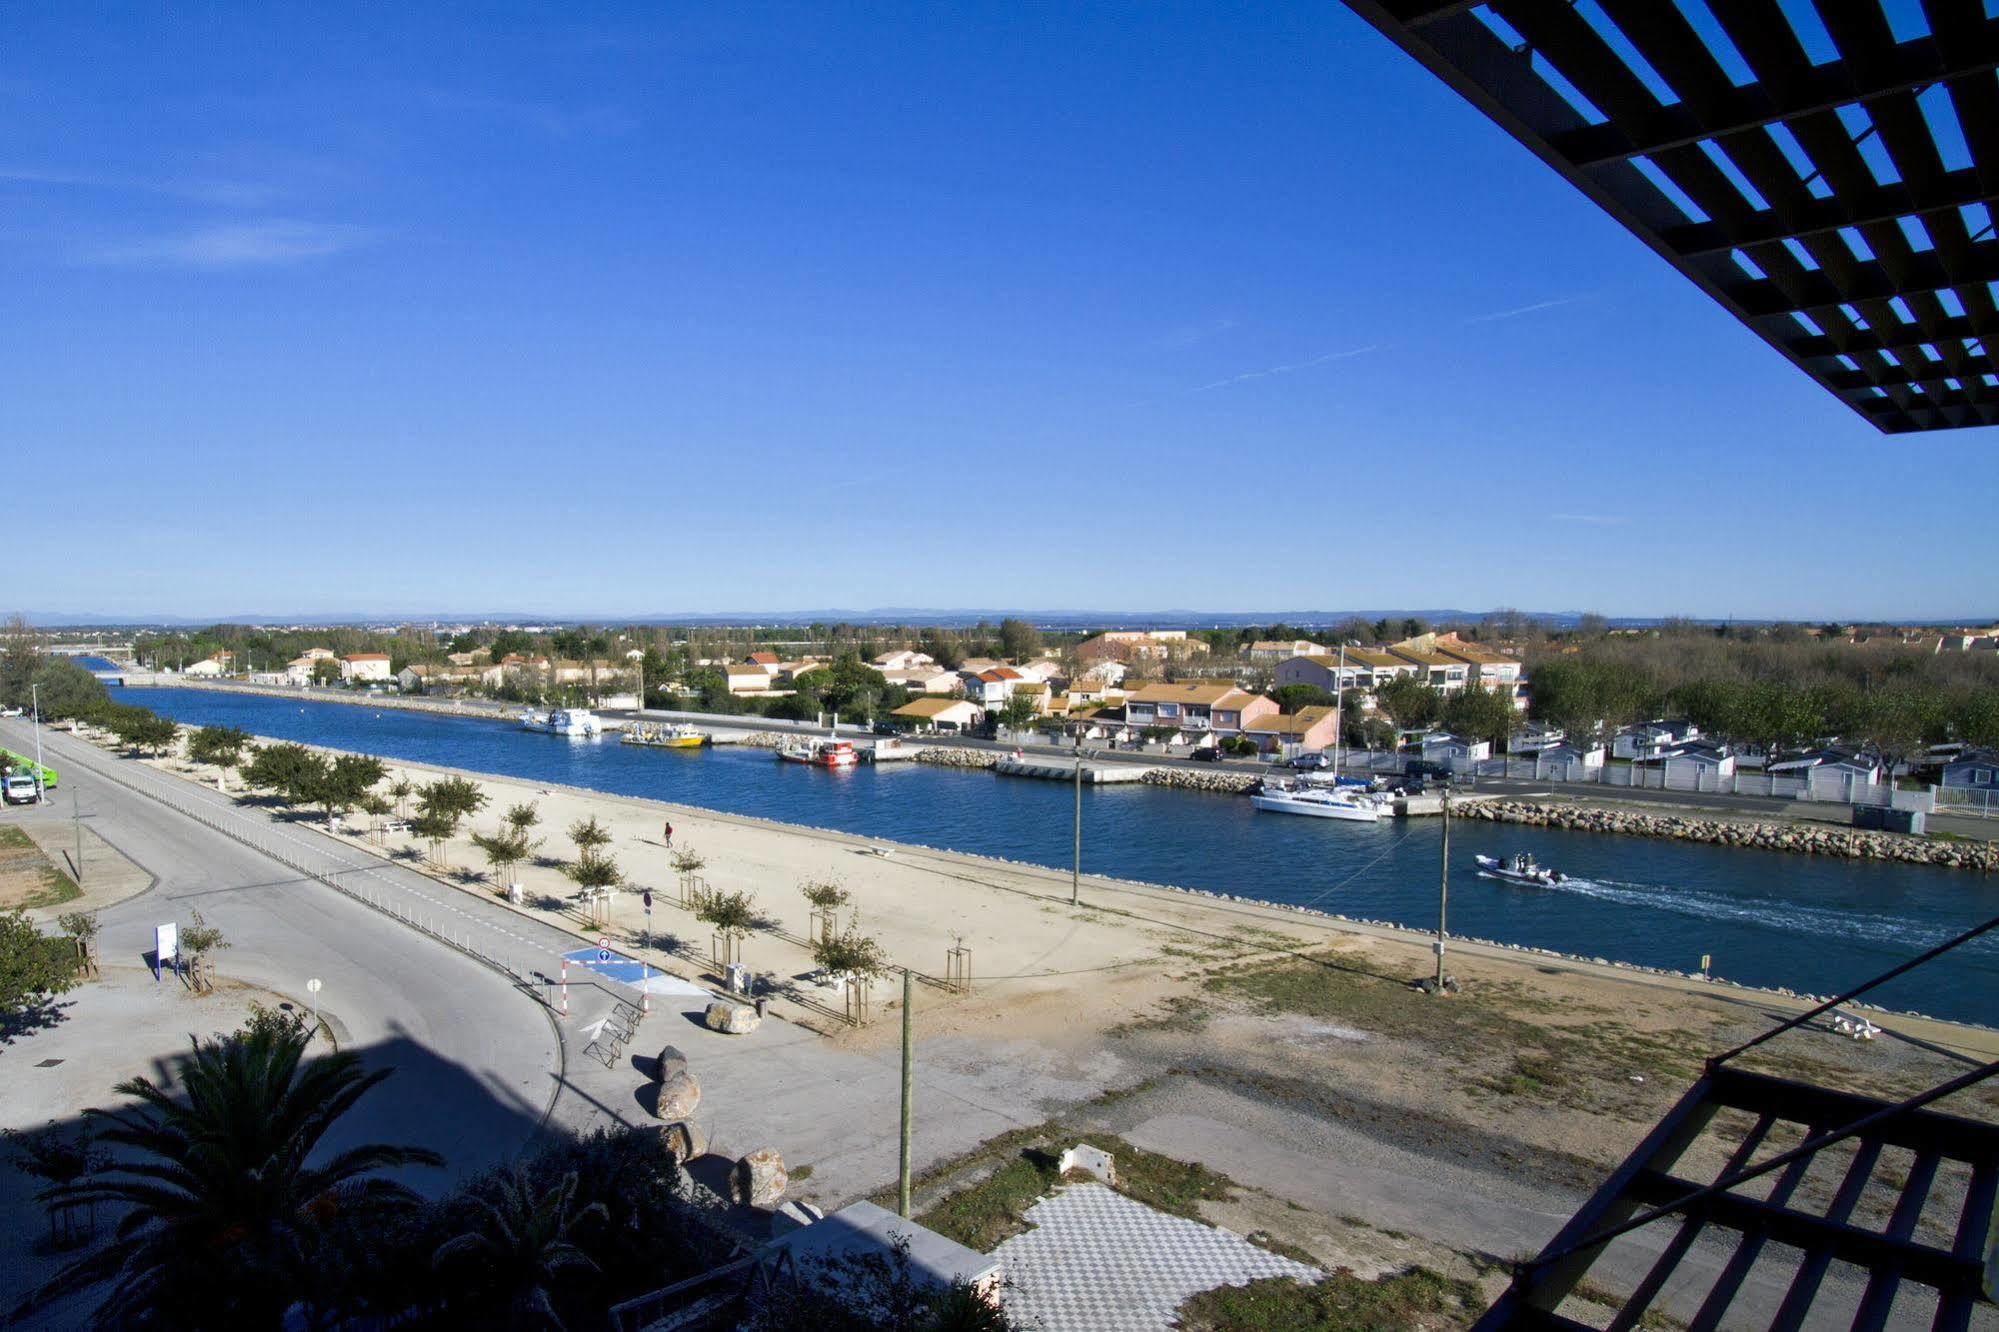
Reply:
x=1076, y=864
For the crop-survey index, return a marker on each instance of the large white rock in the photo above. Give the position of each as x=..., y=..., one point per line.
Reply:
x=760, y=1178
x=679, y=1097
x=732, y=1019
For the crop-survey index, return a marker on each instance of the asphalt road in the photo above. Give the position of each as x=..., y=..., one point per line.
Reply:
x=477, y=1061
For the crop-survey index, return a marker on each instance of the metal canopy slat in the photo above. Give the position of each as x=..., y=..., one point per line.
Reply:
x=1885, y=1281
x=1754, y=1236
x=1702, y=110
x=1805, y=1286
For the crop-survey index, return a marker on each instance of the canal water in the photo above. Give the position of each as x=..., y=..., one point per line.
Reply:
x=1817, y=925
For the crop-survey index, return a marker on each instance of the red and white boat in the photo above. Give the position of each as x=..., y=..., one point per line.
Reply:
x=820, y=753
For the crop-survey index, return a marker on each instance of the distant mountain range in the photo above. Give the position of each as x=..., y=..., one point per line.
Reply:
x=923, y=615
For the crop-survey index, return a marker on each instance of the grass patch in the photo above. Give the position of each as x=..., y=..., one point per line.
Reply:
x=13, y=839
x=800, y=1175
x=1414, y=1299
x=1180, y=1012
x=1551, y=1060
x=56, y=889
x=989, y=1211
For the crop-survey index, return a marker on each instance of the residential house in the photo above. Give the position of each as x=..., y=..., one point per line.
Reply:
x=1440, y=672
x=1489, y=669
x=1271, y=650
x=469, y=658
x=1141, y=645
x=990, y=688
x=1043, y=669
x=1975, y=769
x=1307, y=729
x=1197, y=706
x=976, y=664
x=903, y=659
x=365, y=667
x=1365, y=668
x=1442, y=748
x=940, y=714
x=218, y=664
x=1535, y=737
x=1043, y=696
x=1697, y=765
x=932, y=679
x=1653, y=739
x=747, y=678
x=1829, y=768
x=1089, y=689
x=1568, y=761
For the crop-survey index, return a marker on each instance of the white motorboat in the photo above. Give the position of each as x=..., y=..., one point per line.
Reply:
x=1319, y=802
x=1519, y=869
x=563, y=721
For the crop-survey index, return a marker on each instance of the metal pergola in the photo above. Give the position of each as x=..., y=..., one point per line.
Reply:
x=1825, y=169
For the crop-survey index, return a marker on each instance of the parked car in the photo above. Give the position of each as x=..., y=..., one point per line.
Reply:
x=1425, y=770
x=1206, y=754
x=886, y=728
x=21, y=789
x=1313, y=761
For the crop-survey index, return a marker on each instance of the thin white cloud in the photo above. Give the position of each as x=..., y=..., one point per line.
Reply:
x=226, y=193
x=1593, y=519
x=1524, y=309
x=259, y=244
x=1290, y=368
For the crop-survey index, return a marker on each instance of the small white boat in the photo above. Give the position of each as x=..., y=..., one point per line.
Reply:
x=1319, y=802
x=563, y=721
x=1518, y=869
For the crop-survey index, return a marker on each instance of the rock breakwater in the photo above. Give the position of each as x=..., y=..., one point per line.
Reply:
x=1799, y=838
x=1194, y=779
x=951, y=756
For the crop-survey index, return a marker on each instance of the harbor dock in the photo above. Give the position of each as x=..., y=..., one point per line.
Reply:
x=1057, y=770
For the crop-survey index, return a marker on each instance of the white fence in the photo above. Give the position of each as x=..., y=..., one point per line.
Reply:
x=1976, y=802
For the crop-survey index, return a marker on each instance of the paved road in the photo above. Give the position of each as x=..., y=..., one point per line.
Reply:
x=477, y=1060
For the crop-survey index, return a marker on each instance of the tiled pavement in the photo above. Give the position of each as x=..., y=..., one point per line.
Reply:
x=1096, y=1261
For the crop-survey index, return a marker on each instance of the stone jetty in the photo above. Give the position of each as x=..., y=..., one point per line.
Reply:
x=951, y=756
x=1198, y=779
x=1805, y=838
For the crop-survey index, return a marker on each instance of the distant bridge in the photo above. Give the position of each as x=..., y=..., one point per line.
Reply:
x=110, y=651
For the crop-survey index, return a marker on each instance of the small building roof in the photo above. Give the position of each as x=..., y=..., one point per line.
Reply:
x=1290, y=723
x=930, y=707
x=762, y=658
x=368, y=656
x=1197, y=692
x=864, y=1229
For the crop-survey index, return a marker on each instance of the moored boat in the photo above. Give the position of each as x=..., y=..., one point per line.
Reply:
x=820, y=753
x=1319, y=802
x=665, y=735
x=562, y=721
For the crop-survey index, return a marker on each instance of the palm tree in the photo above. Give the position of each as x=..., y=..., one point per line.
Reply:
x=224, y=1212
x=522, y=1247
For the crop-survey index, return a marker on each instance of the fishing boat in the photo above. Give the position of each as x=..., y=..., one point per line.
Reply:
x=1518, y=869
x=563, y=721
x=820, y=753
x=1319, y=802
x=665, y=735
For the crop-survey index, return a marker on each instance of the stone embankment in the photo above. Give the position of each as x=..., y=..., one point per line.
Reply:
x=1196, y=779
x=1809, y=839
x=764, y=740
x=951, y=756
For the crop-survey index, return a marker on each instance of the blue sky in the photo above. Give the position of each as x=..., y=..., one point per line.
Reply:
x=641, y=309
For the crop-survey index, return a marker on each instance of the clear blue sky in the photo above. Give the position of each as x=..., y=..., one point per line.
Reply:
x=607, y=309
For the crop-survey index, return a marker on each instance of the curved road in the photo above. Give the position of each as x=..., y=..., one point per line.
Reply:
x=478, y=1061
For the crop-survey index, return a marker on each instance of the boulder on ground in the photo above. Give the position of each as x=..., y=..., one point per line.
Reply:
x=671, y=1061
x=679, y=1097
x=759, y=1178
x=683, y=1140
x=732, y=1019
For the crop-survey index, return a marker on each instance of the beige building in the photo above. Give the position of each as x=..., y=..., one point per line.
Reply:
x=365, y=667
x=939, y=714
x=1141, y=645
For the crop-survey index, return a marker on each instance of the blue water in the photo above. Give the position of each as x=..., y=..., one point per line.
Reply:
x=95, y=663
x=1817, y=925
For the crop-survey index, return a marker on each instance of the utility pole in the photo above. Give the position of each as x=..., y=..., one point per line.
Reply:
x=76, y=820
x=908, y=1082
x=1443, y=890
x=35, y=704
x=1076, y=863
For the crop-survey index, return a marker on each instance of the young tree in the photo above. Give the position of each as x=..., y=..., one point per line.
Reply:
x=594, y=871
x=732, y=914
x=198, y=940
x=522, y=817
x=61, y=1159
x=589, y=835
x=1019, y=711
x=1481, y=714
x=1408, y=702
x=437, y=827
x=851, y=953
x=458, y=797
x=345, y=782
x=688, y=861
x=400, y=792
x=218, y=746
x=824, y=894
x=291, y=772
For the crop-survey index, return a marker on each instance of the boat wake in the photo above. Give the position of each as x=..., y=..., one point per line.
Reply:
x=1796, y=918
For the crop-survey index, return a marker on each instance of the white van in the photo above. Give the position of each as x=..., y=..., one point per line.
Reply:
x=21, y=789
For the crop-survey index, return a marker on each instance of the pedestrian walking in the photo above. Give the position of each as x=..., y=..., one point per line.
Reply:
x=669, y=834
